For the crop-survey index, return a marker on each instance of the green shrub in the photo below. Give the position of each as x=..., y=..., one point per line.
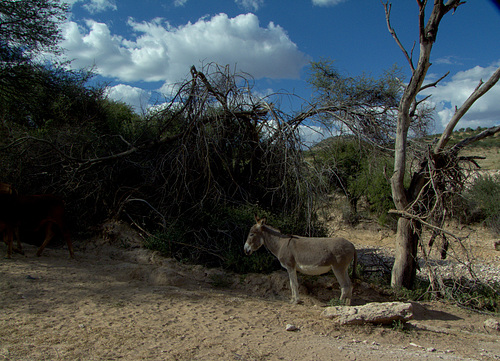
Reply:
x=476, y=296
x=483, y=201
x=166, y=241
x=215, y=238
x=473, y=295
x=356, y=169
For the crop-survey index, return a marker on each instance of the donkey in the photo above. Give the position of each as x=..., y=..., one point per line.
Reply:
x=311, y=256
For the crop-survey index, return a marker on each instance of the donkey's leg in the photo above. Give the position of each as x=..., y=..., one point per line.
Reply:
x=67, y=238
x=294, y=284
x=7, y=238
x=49, y=233
x=19, y=248
x=345, y=284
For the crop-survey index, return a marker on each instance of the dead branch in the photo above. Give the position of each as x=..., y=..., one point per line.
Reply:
x=128, y=200
x=387, y=8
x=476, y=94
x=433, y=84
x=467, y=141
x=408, y=215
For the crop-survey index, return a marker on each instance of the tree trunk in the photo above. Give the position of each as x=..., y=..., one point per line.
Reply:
x=405, y=261
x=404, y=269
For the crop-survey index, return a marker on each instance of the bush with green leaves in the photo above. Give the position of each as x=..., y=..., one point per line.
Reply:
x=356, y=169
x=483, y=201
x=215, y=238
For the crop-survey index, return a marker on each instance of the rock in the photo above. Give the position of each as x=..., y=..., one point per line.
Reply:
x=290, y=327
x=121, y=234
x=492, y=323
x=497, y=245
x=379, y=313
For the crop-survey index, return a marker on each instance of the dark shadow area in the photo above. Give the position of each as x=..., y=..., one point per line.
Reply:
x=422, y=313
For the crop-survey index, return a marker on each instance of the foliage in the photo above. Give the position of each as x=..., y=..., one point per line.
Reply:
x=334, y=302
x=483, y=200
x=358, y=170
x=48, y=95
x=462, y=134
x=27, y=29
x=363, y=105
x=217, y=142
x=334, y=88
x=188, y=174
x=31, y=25
x=476, y=296
x=216, y=237
x=121, y=119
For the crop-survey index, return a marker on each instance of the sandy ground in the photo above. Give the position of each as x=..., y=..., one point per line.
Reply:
x=113, y=303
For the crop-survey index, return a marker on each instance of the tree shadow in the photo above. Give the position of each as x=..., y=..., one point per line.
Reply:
x=422, y=313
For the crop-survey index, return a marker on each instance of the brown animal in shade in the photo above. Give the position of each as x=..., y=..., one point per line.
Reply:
x=40, y=213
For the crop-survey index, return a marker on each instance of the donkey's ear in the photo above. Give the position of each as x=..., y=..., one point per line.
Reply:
x=263, y=220
x=256, y=218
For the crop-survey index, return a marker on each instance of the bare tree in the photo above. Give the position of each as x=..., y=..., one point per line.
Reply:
x=439, y=171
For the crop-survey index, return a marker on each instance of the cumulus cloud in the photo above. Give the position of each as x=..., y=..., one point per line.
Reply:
x=95, y=6
x=327, y=2
x=161, y=52
x=451, y=94
x=136, y=97
x=311, y=134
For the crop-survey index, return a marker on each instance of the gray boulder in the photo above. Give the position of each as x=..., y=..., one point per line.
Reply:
x=379, y=313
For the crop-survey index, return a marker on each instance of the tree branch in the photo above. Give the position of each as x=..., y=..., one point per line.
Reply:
x=405, y=214
x=387, y=8
x=485, y=133
x=432, y=85
x=480, y=90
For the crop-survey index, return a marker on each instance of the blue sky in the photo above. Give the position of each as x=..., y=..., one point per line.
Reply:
x=142, y=47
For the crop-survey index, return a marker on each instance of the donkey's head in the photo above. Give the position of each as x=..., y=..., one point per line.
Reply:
x=255, y=238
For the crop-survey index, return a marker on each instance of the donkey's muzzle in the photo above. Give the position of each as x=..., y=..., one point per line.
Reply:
x=248, y=250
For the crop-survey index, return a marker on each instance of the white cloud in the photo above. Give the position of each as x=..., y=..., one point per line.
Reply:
x=161, y=52
x=327, y=2
x=250, y=5
x=448, y=60
x=311, y=134
x=446, y=96
x=136, y=97
x=97, y=49
x=95, y=6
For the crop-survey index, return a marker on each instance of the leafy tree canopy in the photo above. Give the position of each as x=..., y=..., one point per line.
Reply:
x=365, y=105
x=30, y=26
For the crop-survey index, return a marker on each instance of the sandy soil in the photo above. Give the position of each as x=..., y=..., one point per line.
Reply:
x=131, y=304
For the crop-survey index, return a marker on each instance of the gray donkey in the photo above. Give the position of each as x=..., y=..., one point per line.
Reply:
x=308, y=255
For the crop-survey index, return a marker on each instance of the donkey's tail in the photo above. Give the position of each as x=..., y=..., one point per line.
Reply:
x=354, y=265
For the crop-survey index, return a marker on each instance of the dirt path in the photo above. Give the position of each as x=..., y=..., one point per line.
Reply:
x=112, y=304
